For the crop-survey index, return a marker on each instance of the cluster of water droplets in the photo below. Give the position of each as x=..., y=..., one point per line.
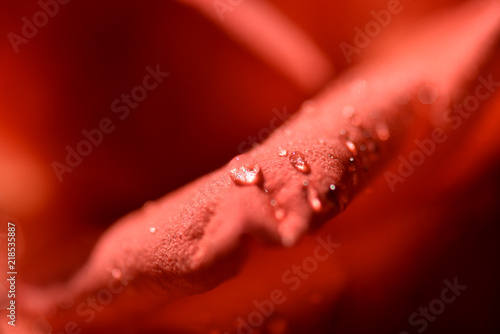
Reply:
x=298, y=160
x=367, y=151
x=363, y=154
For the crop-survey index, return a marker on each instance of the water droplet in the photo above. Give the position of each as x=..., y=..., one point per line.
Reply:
x=245, y=173
x=116, y=273
x=342, y=132
x=274, y=202
x=427, y=94
x=279, y=214
x=383, y=131
x=152, y=229
x=298, y=161
x=282, y=152
x=350, y=145
x=305, y=183
x=351, y=159
x=314, y=201
x=362, y=147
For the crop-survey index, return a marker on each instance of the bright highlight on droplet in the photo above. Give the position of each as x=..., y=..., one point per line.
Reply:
x=350, y=145
x=298, y=160
x=279, y=214
x=314, y=200
x=246, y=175
x=282, y=152
x=116, y=273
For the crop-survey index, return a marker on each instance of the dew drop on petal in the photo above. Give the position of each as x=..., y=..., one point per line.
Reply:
x=305, y=183
x=383, y=132
x=279, y=214
x=274, y=202
x=282, y=152
x=314, y=200
x=362, y=147
x=350, y=145
x=245, y=174
x=298, y=161
x=343, y=132
x=116, y=273
x=152, y=229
